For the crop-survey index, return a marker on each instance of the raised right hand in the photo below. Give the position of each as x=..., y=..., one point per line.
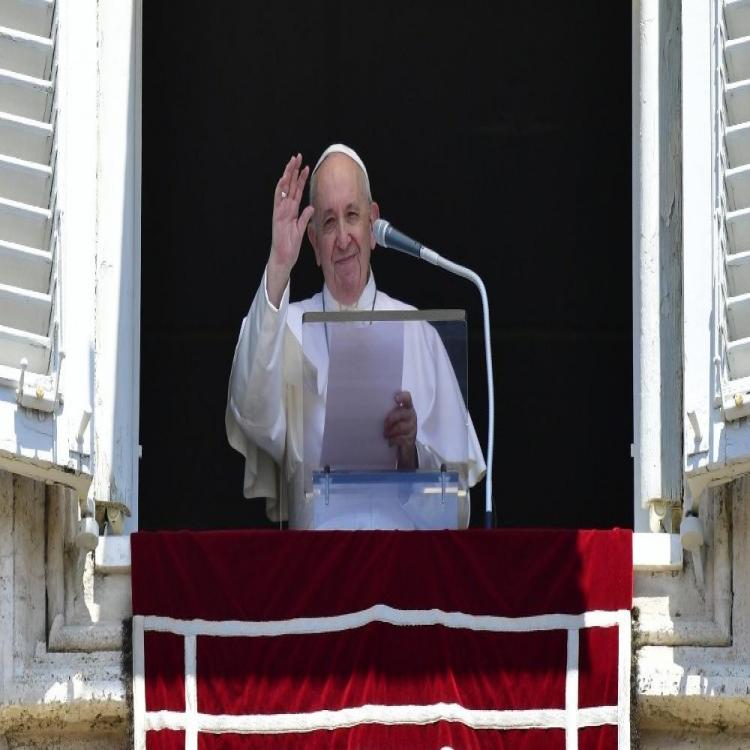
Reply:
x=287, y=227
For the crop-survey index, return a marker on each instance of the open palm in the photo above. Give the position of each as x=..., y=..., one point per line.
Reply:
x=288, y=225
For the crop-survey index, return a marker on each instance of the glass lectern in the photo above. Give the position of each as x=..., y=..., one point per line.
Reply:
x=358, y=368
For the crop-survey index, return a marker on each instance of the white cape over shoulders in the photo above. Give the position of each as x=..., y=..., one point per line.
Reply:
x=264, y=407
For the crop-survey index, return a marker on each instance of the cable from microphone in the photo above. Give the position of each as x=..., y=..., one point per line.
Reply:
x=387, y=235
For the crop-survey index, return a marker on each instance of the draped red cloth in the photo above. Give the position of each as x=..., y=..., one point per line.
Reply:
x=470, y=639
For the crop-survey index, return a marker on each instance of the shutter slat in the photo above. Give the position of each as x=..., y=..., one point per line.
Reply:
x=738, y=229
x=24, y=224
x=738, y=316
x=737, y=141
x=738, y=353
x=31, y=16
x=15, y=345
x=25, y=139
x=25, y=267
x=25, y=53
x=738, y=273
x=24, y=310
x=25, y=181
x=737, y=99
x=25, y=95
x=737, y=56
x=738, y=187
x=737, y=18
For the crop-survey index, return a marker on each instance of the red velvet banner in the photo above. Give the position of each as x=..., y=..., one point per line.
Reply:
x=471, y=639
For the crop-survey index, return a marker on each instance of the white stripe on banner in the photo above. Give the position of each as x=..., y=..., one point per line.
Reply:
x=570, y=718
x=386, y=614
x=139, y=685
x=571, y=692
x=544, y=718
x=623, y=681
x=191, y=694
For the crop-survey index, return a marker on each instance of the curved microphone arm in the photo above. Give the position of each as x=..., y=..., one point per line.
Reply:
x=432, y=257
x=387, y=235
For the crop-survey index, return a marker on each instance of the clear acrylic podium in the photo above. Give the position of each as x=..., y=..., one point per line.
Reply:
x=353, y=366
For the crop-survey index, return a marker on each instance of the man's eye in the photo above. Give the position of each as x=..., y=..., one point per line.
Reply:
x=352, y=215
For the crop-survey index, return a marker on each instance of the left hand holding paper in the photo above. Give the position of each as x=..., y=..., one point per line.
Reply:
x=400, y=429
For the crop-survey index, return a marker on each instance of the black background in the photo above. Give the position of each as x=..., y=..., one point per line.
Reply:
x=498, y=134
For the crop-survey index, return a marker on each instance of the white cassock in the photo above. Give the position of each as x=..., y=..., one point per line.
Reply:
x=265, y=406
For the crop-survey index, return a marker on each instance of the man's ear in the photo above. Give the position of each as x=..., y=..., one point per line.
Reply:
x=313, y=237
x=374, y=215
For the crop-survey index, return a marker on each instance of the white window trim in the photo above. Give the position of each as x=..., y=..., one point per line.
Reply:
x=654, y=552
x=118, y=262
x=656, y=405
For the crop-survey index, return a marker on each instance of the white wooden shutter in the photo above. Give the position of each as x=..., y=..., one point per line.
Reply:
x=47, y=280
x=69, y=244
x=716, y=240
x=733, y=216
x=29, y=226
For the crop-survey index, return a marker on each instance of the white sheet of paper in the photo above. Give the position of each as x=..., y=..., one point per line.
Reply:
x=364, y=373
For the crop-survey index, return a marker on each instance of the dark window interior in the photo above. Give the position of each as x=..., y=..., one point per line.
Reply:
x=498, y=134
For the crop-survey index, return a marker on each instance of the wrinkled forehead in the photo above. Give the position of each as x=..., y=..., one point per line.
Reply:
x=339, y=172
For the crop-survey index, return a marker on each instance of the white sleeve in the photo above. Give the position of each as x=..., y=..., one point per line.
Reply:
x=426, y=457
x=445, y=432
x=255, y=416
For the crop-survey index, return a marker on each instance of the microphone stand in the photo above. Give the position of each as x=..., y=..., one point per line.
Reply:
x=437, y=260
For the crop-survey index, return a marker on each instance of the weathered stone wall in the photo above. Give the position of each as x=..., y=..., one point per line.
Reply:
x=61, y=680
x=694, y=659
x=60, y=626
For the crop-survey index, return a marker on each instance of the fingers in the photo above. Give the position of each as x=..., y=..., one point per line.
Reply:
x=402, y=435
x=287, y=228
x=404, y=410
x=299, y=185
x=396, y=415
x=401, y=431
x=400, y=423
x=283, y=184
x=292, y=191
x=407, y=456
x=304, y=219
x=403, y=399
x=288, y=181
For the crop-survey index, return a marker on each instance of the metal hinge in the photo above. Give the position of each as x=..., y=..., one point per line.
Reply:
x=37, y=396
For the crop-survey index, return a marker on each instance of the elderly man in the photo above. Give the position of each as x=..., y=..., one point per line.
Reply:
x=264, y=409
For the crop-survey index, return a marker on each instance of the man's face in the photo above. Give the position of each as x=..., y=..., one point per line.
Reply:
x=341, y=228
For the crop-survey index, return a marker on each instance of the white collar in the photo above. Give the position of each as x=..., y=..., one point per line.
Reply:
x=366, y=300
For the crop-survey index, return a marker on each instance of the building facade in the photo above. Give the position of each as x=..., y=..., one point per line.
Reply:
x=69, y=218
x=70, y=155
x=690, y=78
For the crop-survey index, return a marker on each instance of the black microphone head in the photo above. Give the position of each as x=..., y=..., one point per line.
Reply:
x=379, y=228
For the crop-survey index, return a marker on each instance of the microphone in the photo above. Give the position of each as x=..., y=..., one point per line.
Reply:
x=388, y=236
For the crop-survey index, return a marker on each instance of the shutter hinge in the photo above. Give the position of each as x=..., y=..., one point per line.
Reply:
x=38, y=397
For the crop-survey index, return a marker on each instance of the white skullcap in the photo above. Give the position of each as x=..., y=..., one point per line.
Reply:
x=340, y=148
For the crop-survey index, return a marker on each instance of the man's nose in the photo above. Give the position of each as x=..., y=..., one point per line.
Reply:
x=342, y=235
